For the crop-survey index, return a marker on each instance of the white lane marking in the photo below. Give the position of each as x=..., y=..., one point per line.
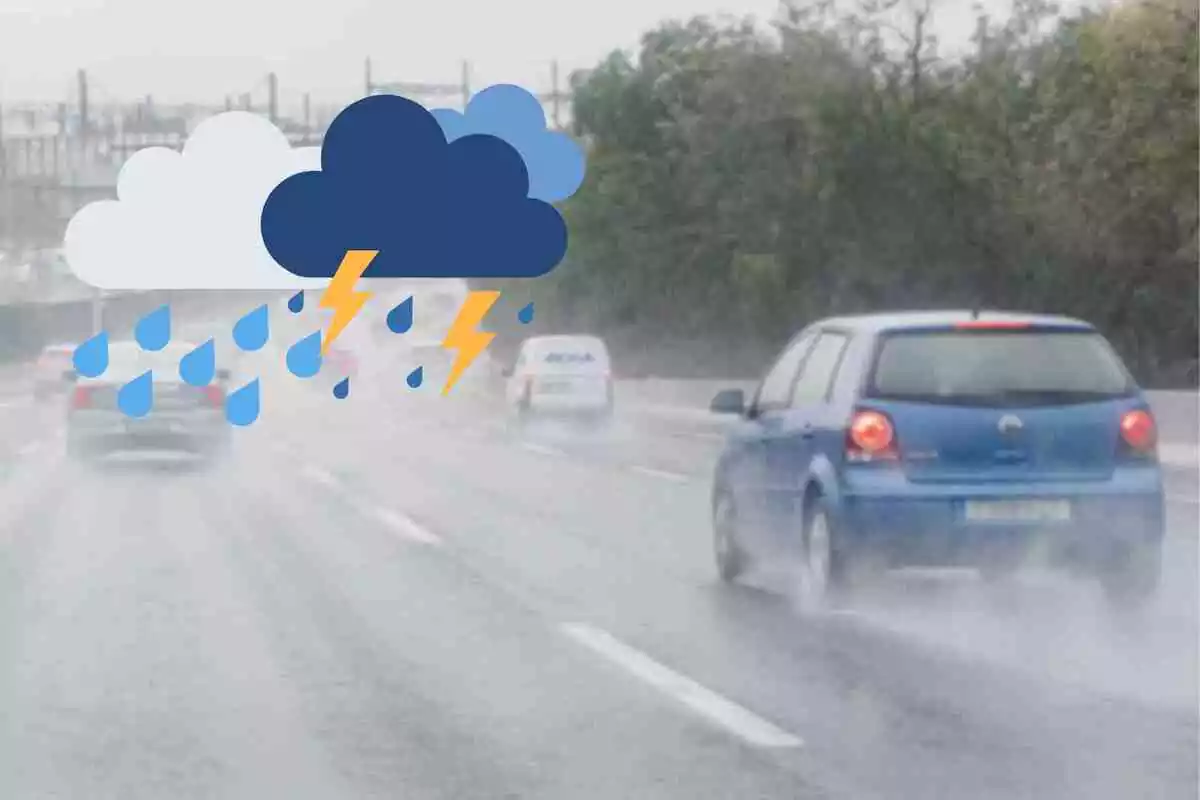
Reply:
x=28, y=449
x=1179, y=456
x=540, y=449
x=1178, y=498
x=734, y=718
x=400, y=524
x=666, y=475
x=320, y=475
x=406, y=527
x=708, y=437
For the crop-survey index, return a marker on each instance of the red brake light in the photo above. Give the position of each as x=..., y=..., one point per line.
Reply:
x=214, y=394
x=870, y=437
x=1139, y=431
x=81, y=397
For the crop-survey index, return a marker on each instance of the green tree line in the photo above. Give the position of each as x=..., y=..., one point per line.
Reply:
x=742, y=182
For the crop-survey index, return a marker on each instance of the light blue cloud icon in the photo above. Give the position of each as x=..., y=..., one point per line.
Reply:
x=555, y=162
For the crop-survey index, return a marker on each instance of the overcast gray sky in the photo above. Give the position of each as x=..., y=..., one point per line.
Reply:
x=201, y=50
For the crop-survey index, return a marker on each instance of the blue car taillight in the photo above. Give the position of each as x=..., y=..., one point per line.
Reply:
x=1139, y=433
x=871, y=436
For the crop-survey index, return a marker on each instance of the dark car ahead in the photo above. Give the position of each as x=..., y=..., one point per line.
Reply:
x=183, y=418
x=943, y=439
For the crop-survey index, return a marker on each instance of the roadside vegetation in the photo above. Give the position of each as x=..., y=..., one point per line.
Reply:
x=743, y=182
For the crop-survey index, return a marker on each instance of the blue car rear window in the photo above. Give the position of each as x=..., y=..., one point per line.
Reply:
x=998, y=367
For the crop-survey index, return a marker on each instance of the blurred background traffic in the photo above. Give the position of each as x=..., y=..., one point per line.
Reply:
x=402, y=593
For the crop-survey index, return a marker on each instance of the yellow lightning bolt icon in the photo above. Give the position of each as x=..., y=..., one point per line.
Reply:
x=340, y=295
x=465, y=335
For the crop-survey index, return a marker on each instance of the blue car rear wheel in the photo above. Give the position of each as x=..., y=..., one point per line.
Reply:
x=830, y=570
x=727, y=548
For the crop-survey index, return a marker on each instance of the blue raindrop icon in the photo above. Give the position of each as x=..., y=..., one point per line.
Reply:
x=241, y=407
x=153, y=331
x=296, y=302
x=91, y=357
x=415, y=377
x=304, y=357
x=342, y=389
x=136, y=397
x=400, y=318
x=525, y=315
x=198, y=367
x=251, y=332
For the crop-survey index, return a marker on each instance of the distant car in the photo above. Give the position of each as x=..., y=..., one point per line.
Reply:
x=564, y=376
x=52, y=374
x=436, y=362
x=182, y=418
x=942, y=439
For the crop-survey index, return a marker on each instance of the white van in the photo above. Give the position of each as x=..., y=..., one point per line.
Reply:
x=561, y=375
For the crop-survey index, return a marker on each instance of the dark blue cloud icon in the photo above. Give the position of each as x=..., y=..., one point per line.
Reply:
x=555, y=162
x=390, y=181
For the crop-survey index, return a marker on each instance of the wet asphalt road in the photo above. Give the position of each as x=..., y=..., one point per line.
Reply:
x=401, y=598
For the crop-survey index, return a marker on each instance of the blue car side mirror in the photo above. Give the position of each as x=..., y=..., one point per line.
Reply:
x=729, y=401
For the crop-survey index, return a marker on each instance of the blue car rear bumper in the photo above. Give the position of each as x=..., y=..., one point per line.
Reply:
x=926, y=524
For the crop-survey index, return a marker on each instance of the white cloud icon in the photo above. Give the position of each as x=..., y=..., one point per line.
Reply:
x=190, y=220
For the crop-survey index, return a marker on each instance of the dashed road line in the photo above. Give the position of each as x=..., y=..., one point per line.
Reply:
x=406, y=527
x=1178, y=498
x=541, y=449
x=400, y=524
x=28, y=449
x=734, y=718
x=702, y=435
x=320, y=475
x=494, y=426
x=662, y=474
x=845, y=613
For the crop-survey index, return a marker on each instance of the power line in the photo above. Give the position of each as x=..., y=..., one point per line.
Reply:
x=56, y=156
x=557, y=97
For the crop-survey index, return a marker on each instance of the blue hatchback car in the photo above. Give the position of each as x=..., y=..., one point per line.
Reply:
x=945, y=438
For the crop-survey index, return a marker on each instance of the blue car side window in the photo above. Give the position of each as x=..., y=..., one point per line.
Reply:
x=819, y=369
x=776, y=388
